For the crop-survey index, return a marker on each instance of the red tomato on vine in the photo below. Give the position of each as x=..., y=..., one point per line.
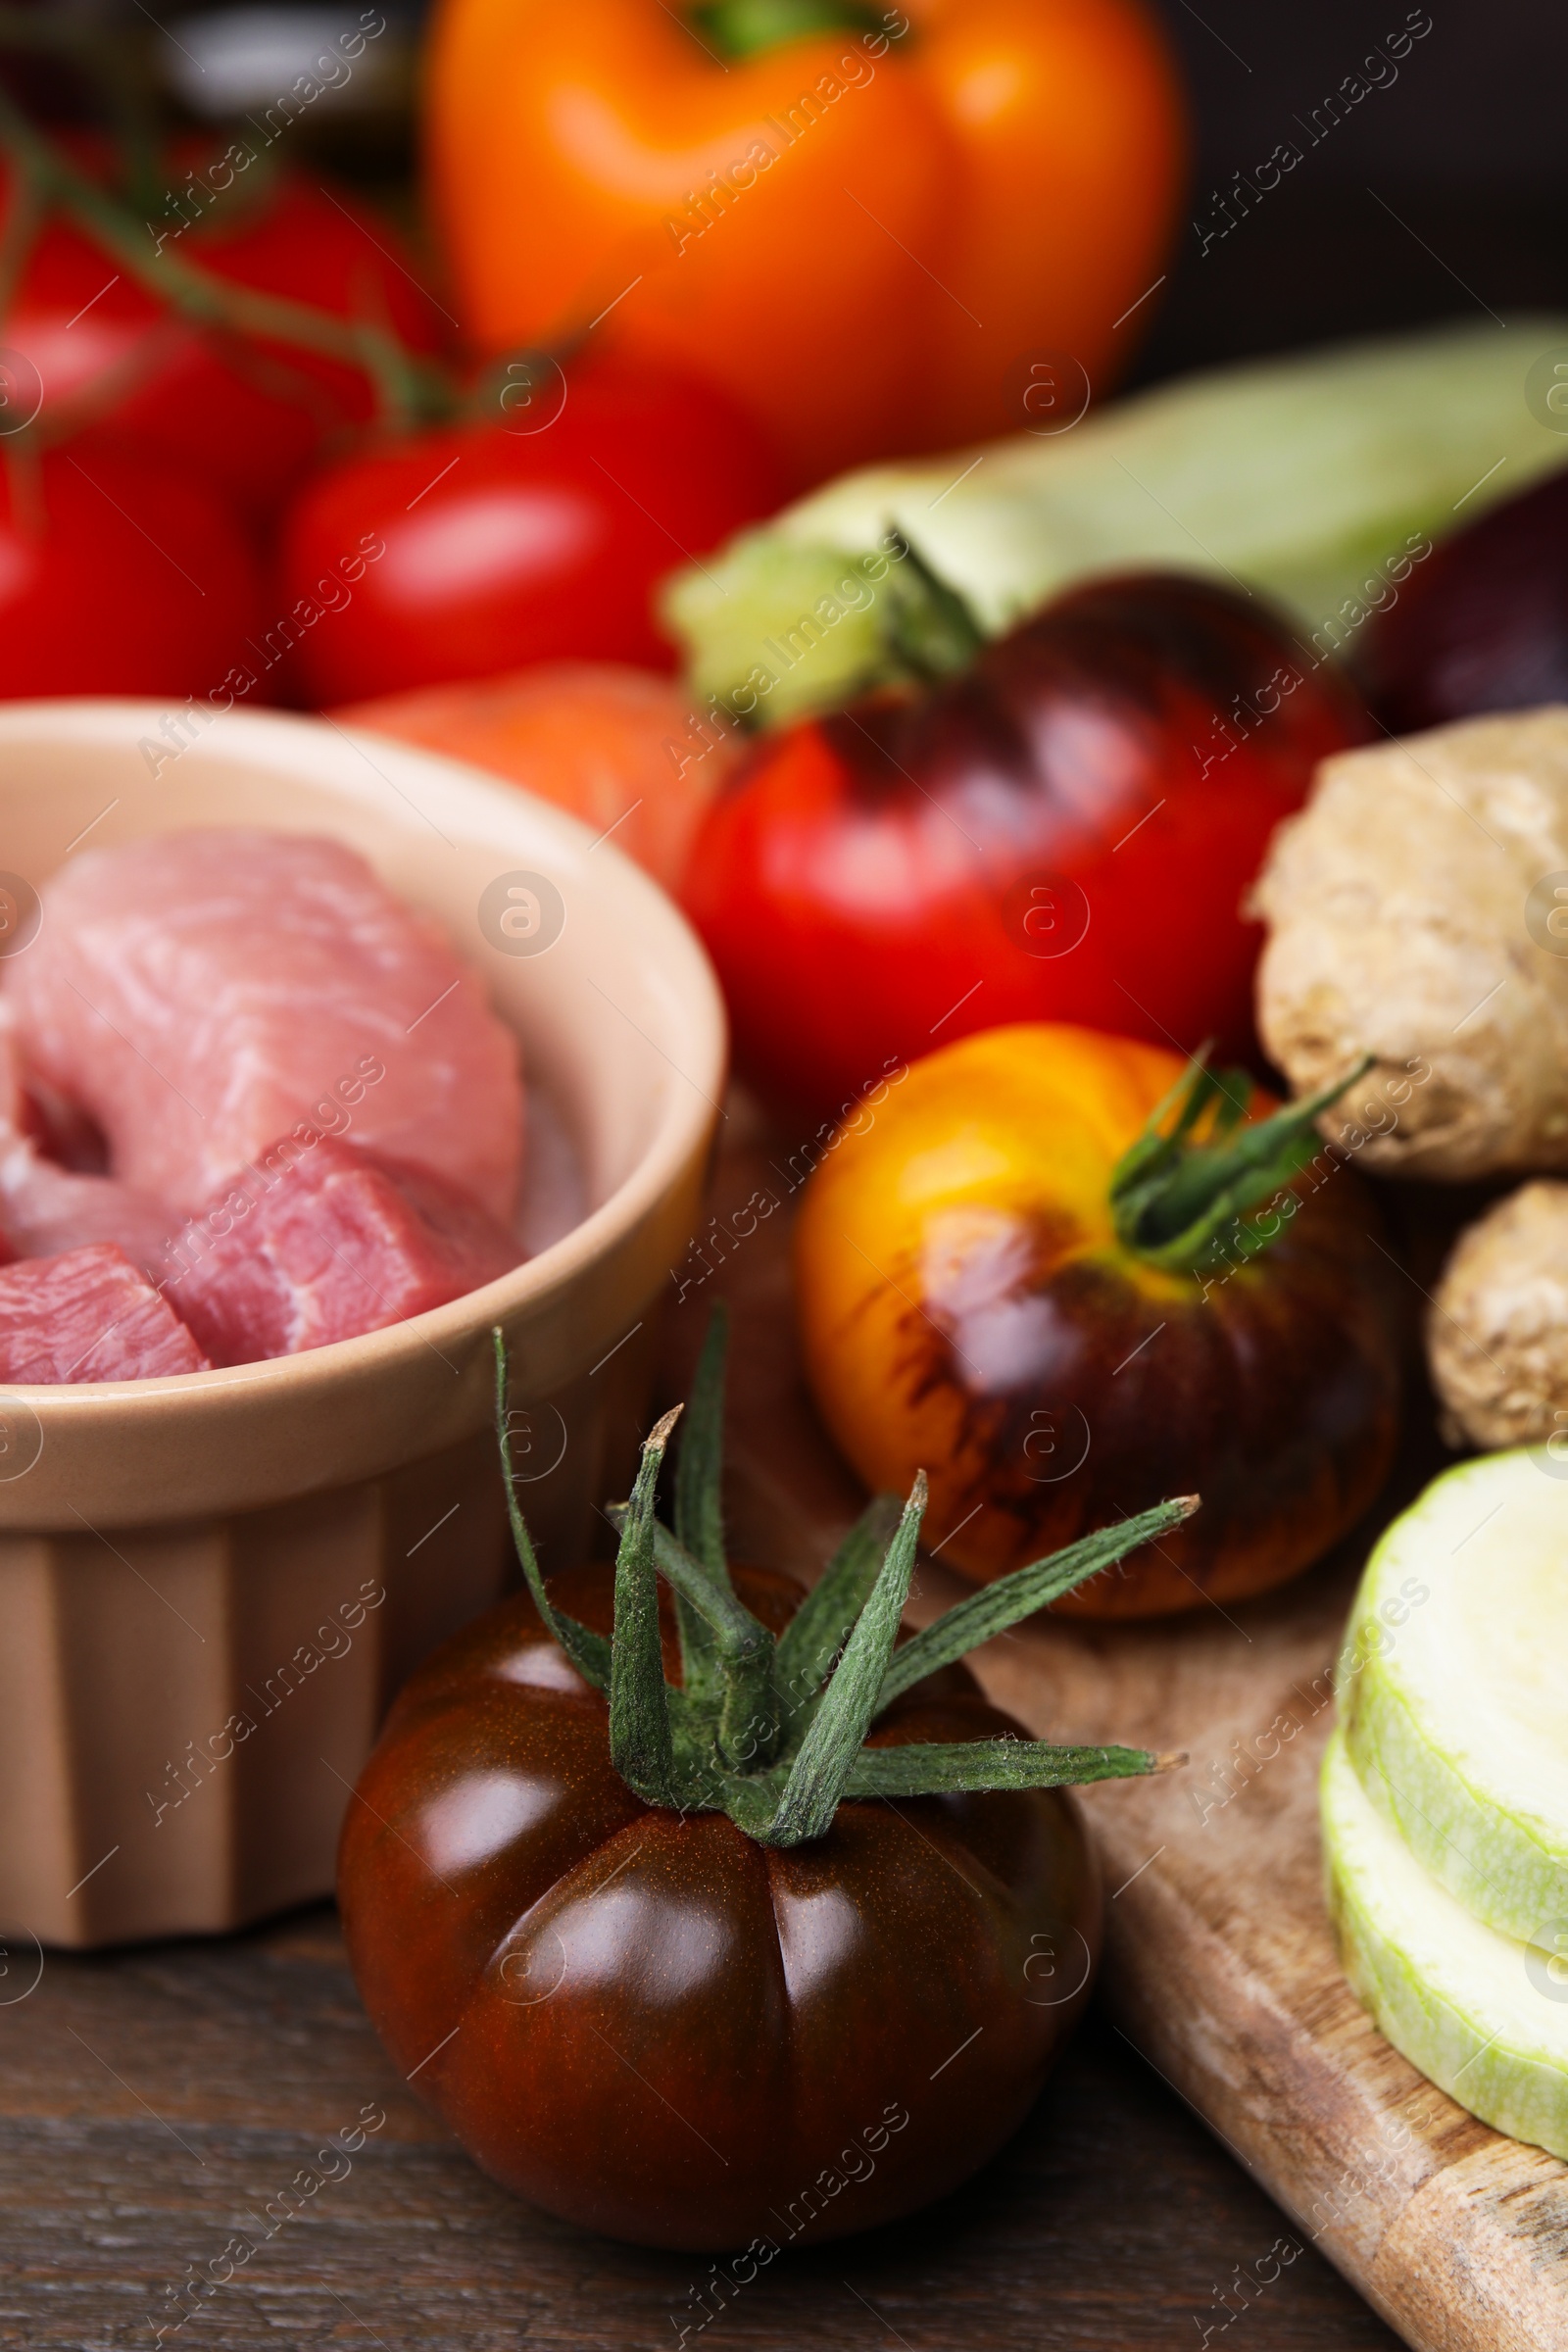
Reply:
x=248, y=414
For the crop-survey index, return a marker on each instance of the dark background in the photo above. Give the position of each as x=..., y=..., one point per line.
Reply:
x=1467, y=147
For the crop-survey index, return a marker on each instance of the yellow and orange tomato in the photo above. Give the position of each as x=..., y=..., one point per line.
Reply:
x=990, y=1290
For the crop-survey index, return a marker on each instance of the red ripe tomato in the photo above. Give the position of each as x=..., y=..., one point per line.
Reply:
x=1064, y=832
x=117, y=576
x=506, y=545
x=252, y=417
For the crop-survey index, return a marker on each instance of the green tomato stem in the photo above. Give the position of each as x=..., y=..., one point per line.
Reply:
x=723, y=1748
x=1176, y=1190
x=991, y=1610
x=699, y=1508
x=931, y=632
x=833, y=1740
x=588, y=1651
x=641, y=1747
x=748, y=1730
x=820, y=1625
x=974, y=1766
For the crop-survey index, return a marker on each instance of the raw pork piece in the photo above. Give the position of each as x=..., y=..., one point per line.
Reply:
x=339, y=1242
x=45, y=1207
x=89, y=1316
x=201, y=994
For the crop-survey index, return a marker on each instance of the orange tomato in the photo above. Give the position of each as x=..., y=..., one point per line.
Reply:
x=868, y=235
x=972, y=1305
x=619, y=748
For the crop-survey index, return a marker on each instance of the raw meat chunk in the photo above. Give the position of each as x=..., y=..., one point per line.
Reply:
x=340, y=1241
x=89, y=1316
x=202, y=993
x=46, y=1207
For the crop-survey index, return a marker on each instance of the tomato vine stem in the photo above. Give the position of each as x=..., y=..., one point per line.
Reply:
x=699, y=1510
x=411, y=389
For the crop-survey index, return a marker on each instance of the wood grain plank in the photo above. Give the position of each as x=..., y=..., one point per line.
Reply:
x=1111, y=2223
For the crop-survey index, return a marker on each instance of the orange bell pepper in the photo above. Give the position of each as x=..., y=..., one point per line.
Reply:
x=869, y=232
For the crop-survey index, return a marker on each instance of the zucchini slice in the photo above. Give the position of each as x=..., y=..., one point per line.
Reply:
x=1484, y=2015
x=1452, y=1687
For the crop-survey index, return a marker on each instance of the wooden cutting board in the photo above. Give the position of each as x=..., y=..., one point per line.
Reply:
x=1220, y=1966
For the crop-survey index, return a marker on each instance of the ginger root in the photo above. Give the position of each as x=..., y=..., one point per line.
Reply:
x=1413, y=915
x=1497, y=1334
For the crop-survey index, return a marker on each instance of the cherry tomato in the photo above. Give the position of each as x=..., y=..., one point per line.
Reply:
x=117, y=574
x=1066, y=830
x=651, y=2025
x=972, y=1303
x=252, y=417
x=537, y=536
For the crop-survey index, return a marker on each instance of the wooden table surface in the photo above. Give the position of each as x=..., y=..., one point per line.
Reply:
x=154, y=2102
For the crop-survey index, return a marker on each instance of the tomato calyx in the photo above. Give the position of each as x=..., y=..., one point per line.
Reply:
x=1178, y=1189
x=931, y=630
x=882, y=622
x=771, y=1730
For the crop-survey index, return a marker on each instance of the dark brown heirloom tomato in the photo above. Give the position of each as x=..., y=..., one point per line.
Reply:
x=778, y=1943
x=653, y=2026
x=1005, y=1278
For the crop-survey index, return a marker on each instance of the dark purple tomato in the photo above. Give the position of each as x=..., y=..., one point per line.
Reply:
x=1483, y=625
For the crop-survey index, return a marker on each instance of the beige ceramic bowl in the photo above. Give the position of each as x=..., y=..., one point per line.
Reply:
x=212, y=1586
